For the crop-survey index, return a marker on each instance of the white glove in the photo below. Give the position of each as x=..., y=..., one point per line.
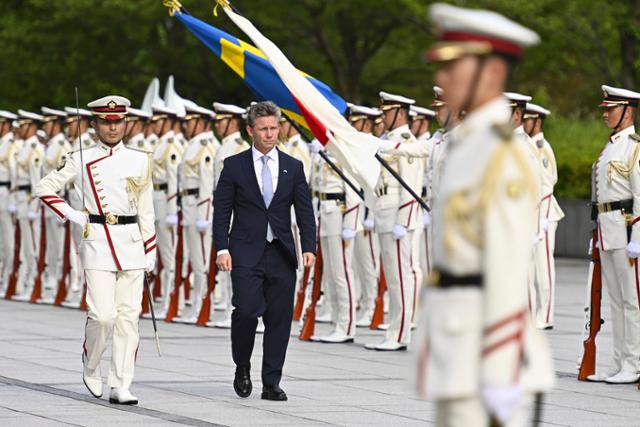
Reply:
x=32, y=215
x=633, y=249
x=502, y=401
x=399, y=231
x=369, y=223
x=294, y=223
x=202, y=224
x=151, y=262
x=348, y=234
x=77, y=217
x=316, y=146
x=171, y=219
x=590, y=249
x=426, y=218
x=544, y=224
x=12, y=208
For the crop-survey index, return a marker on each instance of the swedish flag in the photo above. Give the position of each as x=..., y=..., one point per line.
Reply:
x=254, y=68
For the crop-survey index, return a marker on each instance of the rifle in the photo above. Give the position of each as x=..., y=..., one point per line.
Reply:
x=309, y=325
x=297, y=310
x=378, y=313
x=187, y=283
x=174, y=298
x=83, y=301
x=36, y=292
x=588, y=364
x=157, y=287
x=205, y=310
x=13, y=277
x=61, y=295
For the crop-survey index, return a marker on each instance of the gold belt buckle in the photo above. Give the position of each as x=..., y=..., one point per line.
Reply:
x=433, y=279
x=112, y=219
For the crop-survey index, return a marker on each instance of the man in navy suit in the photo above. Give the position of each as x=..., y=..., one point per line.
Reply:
x=258, y=187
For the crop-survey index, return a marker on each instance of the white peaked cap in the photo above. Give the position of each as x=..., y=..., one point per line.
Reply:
x=476, y=32
x=192, y=107
x=614, y=96
x=422, y=111
x=172, y=99
x=73, y=111
x=8, y=115
x=139, y=113
x=367, y=111
x=228, y=109
x=23, y=114
x=517, y=99
x=536, y=109
x=151, y=96
x=52, y=112
x=390, y=98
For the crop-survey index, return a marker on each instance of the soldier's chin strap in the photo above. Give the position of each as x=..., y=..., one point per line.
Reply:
x=616, y=128
x=474, y=84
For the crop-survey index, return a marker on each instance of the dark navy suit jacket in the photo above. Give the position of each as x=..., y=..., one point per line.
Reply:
x=238, y=193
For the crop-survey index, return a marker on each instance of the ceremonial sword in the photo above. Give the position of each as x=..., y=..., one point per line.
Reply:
x=153, y=314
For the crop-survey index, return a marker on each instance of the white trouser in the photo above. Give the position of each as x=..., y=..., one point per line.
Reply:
x=166, y=238
x=622, y=283
x=471, y=411
x=199, y=246
x=114, y=299
x=7, y=244
x=337, y=257
x=29, y=236
x=416, y=269
x=425, y=250
x=54, y=249
x=396, y=261
x=366, y=268
x=545, y=276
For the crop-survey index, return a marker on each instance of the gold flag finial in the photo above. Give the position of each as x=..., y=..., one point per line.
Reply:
x=173, y=6
x=223, y=3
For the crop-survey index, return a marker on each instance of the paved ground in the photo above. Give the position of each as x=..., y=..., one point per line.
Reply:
x=40, y=377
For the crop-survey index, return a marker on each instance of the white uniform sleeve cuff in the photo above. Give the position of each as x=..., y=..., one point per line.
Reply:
x=222, y=252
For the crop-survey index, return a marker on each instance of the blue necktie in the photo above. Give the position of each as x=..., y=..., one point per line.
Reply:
x=267, y=190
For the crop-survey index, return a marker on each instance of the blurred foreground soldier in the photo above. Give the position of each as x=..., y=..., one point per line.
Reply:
x=118, y=242
x=196, y=189
x=56, y=150
x=480, y=358
x=8, y=150
x=28, y=173
x=137, y=122
x=550, y=215
x=616, y=187
x=228, y=123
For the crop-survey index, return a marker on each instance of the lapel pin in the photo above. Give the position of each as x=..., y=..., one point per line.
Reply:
x=284, y=171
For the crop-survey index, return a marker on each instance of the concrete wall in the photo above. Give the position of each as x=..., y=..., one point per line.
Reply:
x=575, y=229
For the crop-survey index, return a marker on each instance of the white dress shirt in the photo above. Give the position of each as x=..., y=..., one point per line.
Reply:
x=273, y=163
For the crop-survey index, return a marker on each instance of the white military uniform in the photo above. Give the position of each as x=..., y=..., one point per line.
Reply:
x=230, y=145
x=55, y=151
x=340, y=209
x=480, y=334
x=196, y=184
x=28, y=173
x=9, y=148
x=396, y=207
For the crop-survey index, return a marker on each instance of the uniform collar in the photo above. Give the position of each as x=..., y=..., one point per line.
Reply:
x=398, y=131
x=273, y=154
x=538, y=137
x=56, y=138
x=167, y=136
x=106, y=148
x=32, y=140
x=203, y=136
x=622, y=134
x=520, y=130
x=135, y=139
x=232, y=137
x=294, y=139
x=493, y=112
x=7, y=137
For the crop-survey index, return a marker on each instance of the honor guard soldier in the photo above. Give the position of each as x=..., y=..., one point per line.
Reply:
x=616, y=186
x=397, y=215
x=479, y=357
x=166, y=160
x=228, y=124
x=421, y=122
x=118, y=242
x=28, y=173
x=8, y=150
x=57, y=147
x=366, y=257
x=78, y=134
x=137, y=123
x=196, y=189
x=550, y=215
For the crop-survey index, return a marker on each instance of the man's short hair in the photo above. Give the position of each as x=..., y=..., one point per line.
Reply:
x=262, y=109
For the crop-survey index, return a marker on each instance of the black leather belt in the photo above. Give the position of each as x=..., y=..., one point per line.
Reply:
x=333, y=196
x=424, y=192
x=441, y=279
x=5, y=183
x=112, y=219
x=26, y=187
x=622, y=205
x=191, y=192
x=161, y=187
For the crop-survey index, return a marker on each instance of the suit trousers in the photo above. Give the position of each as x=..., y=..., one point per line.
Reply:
x=114, y=300
x=265, y=290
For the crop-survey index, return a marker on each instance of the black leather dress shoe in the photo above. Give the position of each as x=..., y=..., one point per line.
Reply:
x=273, y=392
x=242, y=382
